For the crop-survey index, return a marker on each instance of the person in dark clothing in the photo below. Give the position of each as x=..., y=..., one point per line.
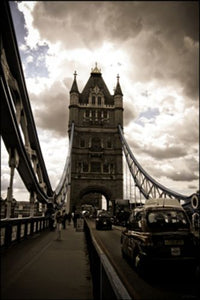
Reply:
x=69, y=217
x=50, y=213
x=64, y=215
x=77, y=215
x=52, y=223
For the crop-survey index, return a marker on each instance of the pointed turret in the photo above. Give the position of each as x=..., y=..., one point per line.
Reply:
x=74, y=88
x=118, y=94
x=74, y=93
x=118, y=90
x=118, y=99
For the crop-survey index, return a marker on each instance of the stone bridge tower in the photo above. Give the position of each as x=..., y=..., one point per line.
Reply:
x=96, y=165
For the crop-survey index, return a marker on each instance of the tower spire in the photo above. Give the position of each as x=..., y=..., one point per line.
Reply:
x=96, y=70
x=118, y=90
x=74, y=88
x=75, y=74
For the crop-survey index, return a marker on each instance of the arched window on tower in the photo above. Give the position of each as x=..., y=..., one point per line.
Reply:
x=105, y=114
x=99, y=100
x=93, y=100
x=82, y=143
x=85, y=167
x=99, y=114
x=87, y=113
x=93, y=114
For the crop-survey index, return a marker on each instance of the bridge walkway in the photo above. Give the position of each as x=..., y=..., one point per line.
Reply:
x=46, y=268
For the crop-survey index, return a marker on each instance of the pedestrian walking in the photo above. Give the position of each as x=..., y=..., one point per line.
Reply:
x=69, y=218
x=52, y=222
x=75, y=217
x=59, y=220
x=64, y=215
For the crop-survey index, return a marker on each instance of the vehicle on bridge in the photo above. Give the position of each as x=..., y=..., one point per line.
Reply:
x=121, y=218
x=159, y=234
x=87, y=210
x=121, y=212
x=104, y=220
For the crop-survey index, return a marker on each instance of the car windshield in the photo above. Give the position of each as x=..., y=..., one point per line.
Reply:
x=167, y=219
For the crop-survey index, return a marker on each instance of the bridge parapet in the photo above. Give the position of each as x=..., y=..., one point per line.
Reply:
x=16, y=230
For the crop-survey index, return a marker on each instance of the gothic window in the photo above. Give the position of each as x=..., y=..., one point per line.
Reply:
x=82, y=143
x=93, y=114
x=112, y=168
x=93, y=99
x=85, y=167
x=96, y=167
x=87, y=113
x=105, y=114
x=99, y=100
x=99, y=114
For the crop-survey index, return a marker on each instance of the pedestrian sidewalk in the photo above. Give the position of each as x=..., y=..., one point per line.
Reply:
x=45, y=268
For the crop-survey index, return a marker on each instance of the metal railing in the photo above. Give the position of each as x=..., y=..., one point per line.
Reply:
x=16, y=230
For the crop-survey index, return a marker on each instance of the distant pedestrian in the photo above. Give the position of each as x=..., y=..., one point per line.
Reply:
x=77, y=215
x=75, y=218
x=64, y=215
x=69, y=216
x=52, y=222
x=59, y=220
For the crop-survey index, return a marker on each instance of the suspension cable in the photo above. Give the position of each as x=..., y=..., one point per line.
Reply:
x=148, y=186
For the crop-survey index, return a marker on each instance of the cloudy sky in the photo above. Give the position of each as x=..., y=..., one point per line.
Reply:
x=154, y=48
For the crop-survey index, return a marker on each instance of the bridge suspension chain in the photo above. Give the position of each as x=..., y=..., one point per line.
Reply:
x=147, y=186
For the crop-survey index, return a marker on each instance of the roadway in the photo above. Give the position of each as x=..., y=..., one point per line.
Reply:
x=155, y=286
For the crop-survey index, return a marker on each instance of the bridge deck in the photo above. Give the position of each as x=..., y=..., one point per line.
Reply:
x=45, y=268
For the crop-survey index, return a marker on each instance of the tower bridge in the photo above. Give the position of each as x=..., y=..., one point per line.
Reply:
x=97, y=144
x=94, y=163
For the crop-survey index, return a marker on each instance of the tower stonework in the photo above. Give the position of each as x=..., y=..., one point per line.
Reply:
x=96, y=158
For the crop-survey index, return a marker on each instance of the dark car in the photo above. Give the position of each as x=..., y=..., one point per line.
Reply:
x=121, y=217
x=159, y=234
x=104, y=220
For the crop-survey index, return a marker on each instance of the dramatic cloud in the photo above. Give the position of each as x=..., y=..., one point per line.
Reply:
x=161, y=36
x=152, y=45
x=51, y=109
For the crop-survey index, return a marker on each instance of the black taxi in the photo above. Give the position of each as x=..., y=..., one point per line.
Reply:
x=104, y=220
x=159, y=233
